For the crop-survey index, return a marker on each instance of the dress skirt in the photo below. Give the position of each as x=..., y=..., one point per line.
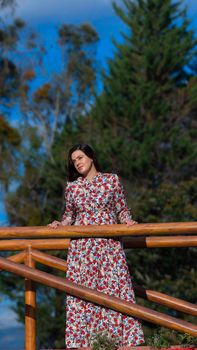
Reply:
x=99, y=264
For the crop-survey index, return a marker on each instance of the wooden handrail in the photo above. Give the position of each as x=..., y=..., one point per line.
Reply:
x=99, y=298
x=128, y=242
x=160, y=242
x=30, y=239
x=100, y=230
x=18, y=258
x=166, y=300
x=49, y=260
x=160, y=298
x=43, y=244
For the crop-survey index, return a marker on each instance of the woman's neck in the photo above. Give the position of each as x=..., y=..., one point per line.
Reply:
x=92, y=173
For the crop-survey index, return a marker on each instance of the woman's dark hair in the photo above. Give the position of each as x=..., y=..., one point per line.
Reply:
x=72, y=172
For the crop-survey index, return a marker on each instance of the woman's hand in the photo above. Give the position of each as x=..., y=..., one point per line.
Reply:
x=55, y=224
x=130, y=223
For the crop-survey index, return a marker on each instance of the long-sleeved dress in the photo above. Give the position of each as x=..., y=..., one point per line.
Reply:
x=98, y=263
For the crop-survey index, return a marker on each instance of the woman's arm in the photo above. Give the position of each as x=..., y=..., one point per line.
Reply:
x=122, y=211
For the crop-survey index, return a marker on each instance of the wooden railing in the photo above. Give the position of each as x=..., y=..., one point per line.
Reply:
x=30, y=241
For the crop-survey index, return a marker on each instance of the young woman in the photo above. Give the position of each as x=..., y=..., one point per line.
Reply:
x=96, y=198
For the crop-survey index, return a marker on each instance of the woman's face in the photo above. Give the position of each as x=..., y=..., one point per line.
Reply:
x=82, y=163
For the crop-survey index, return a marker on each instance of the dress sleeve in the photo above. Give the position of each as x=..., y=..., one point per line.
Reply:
x=122, y=211
x=69, y=215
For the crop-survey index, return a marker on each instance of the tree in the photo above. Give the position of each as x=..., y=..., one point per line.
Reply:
x=65, y=94
x=135, y=113
x=49, y=117
x=142, y=125
x=9, y=143
x=9, y=82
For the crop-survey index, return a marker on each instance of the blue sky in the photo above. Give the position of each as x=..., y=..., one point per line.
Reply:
x=45, y=16
x=74, y=10
x=11, y=332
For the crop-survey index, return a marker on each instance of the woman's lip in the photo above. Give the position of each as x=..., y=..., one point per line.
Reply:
x=79, y=168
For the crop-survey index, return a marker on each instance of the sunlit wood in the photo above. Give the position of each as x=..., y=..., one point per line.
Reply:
x=100, y=230
x=43, y=244
x=18, y=258
x=49, y=260
x=160, y=242
x=99, y=298
x=128, y=242
x=30, y=306
x=166, y=300
x=182, y=234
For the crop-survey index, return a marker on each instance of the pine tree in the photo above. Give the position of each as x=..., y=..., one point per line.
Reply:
x=136, y=111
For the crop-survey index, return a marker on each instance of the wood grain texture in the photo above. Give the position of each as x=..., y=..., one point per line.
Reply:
x=30, y=306
x=166, y=300
x=160, y=242
x=100, y=230
x=49, y=260
x=99, y=298
x=43, y=244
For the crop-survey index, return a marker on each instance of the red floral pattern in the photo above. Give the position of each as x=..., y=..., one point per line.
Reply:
x=98, y=263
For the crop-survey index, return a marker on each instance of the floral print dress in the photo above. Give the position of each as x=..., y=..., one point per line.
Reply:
x=98, y=263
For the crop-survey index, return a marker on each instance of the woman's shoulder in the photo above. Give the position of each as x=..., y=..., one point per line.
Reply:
x=111, y=177
x=71, y=184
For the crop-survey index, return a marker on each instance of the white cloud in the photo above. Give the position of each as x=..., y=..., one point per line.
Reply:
x=7, y=317
x=74, y=11
x=67, y=10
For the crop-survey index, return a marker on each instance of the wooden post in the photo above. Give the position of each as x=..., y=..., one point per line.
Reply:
x=100, y=298
x=30, y=306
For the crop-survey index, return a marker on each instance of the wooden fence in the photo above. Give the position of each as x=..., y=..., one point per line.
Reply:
x=30, y=240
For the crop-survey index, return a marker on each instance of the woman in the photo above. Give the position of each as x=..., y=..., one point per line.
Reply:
x=95, y=198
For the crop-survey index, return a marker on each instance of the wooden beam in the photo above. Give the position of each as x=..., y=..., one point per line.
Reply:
x=160, y=242
x=100, y=230
x=44, y=244
x=99, y=298
x=166, y=300
x=18, y=258
x=49, y=260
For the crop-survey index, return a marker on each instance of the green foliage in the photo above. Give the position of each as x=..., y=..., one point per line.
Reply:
x=9, y=79
x=188, y=339
x=103, y=342
x=142, y=126
x=139, y=115
x=9, y=144
x=167, y=202
x=63, y=96
x=51, y=308
x=165, y=338
x=158, y=339
x=48, y=129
